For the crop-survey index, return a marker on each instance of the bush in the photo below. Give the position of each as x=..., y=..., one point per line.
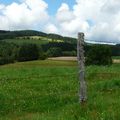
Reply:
x=6, y=60
x=54, y=52
x=28, y=52
x=43, y=56
x=69, y=53
x=8, y=52
x=99, y=55
x=7, y=49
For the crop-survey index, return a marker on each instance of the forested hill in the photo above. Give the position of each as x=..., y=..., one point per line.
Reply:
x=67, y=41
x=13, y=34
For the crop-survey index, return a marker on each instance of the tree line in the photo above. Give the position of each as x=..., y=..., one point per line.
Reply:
x=11, y=52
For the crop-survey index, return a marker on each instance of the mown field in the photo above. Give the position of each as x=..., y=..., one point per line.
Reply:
x=48, y=90
x=32, y=39
x=22, y=41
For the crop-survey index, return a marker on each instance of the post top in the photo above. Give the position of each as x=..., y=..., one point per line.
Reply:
x=81, y=34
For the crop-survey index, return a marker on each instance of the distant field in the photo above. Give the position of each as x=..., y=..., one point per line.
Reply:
x=21, y=41
x=32, y=39
x=64, y=58
x=115, y=59
x=48, y=90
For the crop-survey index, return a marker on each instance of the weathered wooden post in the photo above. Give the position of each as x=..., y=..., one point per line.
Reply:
x=81, y=63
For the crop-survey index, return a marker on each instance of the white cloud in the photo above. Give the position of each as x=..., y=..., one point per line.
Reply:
x=111, y=7
x=98, y=19
x=64, y=14
x=51, y=28
x=25, y=15
x=1, y=6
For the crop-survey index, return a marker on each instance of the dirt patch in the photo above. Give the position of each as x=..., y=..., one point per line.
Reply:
x=116, y=60
x=75, y=59
x=64, y=58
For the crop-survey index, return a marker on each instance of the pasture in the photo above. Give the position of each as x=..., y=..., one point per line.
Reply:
x=48, y=90
x=32, y=39
x=22, y=41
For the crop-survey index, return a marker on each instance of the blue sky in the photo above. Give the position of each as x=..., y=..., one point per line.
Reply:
x=53, y=5
x=8, y=1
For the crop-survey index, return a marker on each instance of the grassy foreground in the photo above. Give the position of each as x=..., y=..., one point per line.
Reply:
x=48, y=90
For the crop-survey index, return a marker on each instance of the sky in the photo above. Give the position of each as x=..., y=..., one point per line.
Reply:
x=98, y=19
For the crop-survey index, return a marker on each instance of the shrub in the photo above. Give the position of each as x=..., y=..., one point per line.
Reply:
x=8, y=52
x=43, y=56
x=54, y=52
x=6, y=60
x=28, y=52
x=69, y=53
x=99, y=55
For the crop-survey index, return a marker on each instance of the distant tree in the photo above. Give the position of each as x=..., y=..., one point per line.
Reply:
x=99, y=55
x=28, y=52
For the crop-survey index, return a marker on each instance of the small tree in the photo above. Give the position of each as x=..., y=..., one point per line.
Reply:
x=99, y=55
x=28, y=52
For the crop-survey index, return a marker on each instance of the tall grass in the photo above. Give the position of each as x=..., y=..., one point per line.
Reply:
x=48, y=90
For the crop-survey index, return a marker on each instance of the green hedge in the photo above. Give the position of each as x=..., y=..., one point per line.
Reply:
x=99, y=55
x=28, y=52
x=6, y=60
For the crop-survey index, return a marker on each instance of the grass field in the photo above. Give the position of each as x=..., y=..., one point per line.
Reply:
x=22, y=41
x=48, y=90
x=32, y=39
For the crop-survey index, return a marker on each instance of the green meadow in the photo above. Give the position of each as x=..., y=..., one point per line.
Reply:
x=48, y=90
x=22, y=41
x=32, y=39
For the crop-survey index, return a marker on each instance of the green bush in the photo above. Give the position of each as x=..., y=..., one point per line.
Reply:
x=8, y=52
x=69, y=53
x=6, y=60
x=8, y=49
x=43, y=56
x=28, y=52
x=99, y=55
x=54, y=52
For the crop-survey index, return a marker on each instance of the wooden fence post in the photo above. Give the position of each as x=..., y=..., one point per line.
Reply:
x=81, y=66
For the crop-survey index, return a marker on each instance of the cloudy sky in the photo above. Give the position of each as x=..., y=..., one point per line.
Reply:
x=98, y=19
